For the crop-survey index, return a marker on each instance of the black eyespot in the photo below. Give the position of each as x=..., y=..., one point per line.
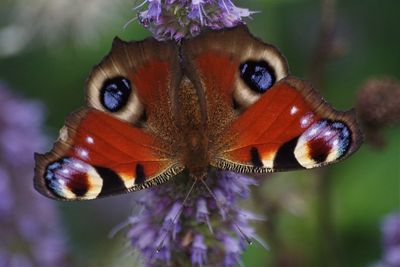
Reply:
x=115, y=93
x=258, y=75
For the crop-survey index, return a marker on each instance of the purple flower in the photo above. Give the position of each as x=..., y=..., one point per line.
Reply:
x=7, y=201
x=29, y=226
x=199, y=251
x=232, y=251
x=194, y=232
x=177, y=19
x=391, y=231
x=390, y=241
x=202, y=213
x=241, y=187
x=171, y=221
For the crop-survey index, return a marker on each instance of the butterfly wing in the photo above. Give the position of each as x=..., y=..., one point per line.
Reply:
x=98, y=155
x=289, y=127
x=265, y=120
x=122, y=141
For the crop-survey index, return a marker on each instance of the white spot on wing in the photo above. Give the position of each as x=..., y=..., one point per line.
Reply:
x=83, y=153
x=306, y=120
x=293, y=110
x=63, y=134
x=89, y=140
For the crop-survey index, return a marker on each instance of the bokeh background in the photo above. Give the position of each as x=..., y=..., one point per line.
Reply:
x=329, y=217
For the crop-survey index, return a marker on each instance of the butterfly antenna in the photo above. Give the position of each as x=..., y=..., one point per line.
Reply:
x=140, y=5
x=160, y=245
x=129, y=22
x=119, y=227
x=222, y=208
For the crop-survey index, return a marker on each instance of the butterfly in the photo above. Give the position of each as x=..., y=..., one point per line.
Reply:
x=223, y=100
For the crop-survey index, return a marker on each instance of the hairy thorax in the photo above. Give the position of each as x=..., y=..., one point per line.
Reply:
x=192, y=129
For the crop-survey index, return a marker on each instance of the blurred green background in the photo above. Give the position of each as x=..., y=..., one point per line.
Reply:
x=307, y=226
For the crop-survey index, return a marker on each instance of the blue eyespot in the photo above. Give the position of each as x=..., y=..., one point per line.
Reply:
x=258, y=75
x=115, y=93
x=344, y=136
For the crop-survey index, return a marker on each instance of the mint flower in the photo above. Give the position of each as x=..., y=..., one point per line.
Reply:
x=199, y=251
x=29, y=224
x=390, y=241
x=177, y=19
x=203, y=232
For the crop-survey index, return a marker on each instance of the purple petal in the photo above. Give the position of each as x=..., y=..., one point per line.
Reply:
x=391, y=230
x=199, y=251
x=171, y=221
x=232, y=251
x=202, y=213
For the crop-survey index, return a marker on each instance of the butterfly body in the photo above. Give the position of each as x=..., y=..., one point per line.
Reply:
x=221, y=100
x=191, y=131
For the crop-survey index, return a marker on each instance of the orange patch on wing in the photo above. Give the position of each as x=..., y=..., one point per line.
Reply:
x=102, y=140
x=280, y=115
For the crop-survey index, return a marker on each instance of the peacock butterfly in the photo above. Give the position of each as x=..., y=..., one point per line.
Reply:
x=221, y=100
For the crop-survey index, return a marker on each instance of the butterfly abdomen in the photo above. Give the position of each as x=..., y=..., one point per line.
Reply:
x=196, y=155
